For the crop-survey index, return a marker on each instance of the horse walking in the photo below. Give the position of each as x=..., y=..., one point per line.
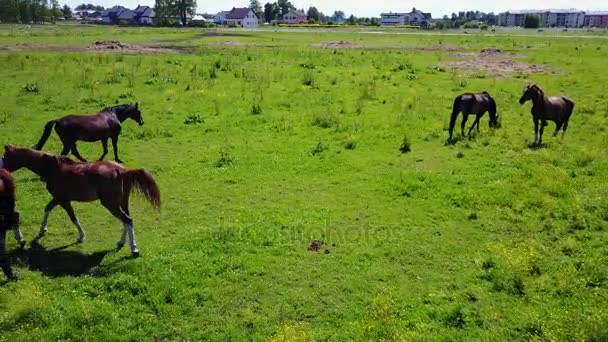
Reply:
x=477, y=104
x=67, y=181
x=557, y=109
x=101, y=126
x=9, y=218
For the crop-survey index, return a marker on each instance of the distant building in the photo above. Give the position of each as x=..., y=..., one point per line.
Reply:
x=220, y=18
x=596, y=19
x=144, y=15
x=415, y=17
x=242, y=17
x=295, y=17
x=548, y=18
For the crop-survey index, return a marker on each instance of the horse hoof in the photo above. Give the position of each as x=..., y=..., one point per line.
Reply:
x=135, y=254
x=119, y=161
x=22, y=244
x=119, y=245
x=80, y=240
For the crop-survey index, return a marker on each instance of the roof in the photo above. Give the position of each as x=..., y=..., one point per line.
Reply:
x=199, y=17
x=597, y=13
x=238, y=13
x=141, y=9
x=112, y=11
x=126, y=14
x=556, y=11
x=296, y=13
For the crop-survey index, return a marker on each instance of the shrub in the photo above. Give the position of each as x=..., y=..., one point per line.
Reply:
x=193, y=119
x=256, y=109
x=324, y=121
x=320, y=148
x=308, y=78
x=31, y=88
x=406, y=145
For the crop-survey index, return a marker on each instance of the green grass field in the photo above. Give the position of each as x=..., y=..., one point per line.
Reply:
x=262, y=144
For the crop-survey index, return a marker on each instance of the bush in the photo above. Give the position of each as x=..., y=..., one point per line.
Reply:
x=532, y=21
x=406, y=146
x=484, y=27
x=256, y=109
x=193, y=119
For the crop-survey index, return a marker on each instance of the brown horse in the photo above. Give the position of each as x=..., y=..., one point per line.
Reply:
x=9, y=218
x=101, y=126
x=477, y=104
x=557, y=109
x=68, y=181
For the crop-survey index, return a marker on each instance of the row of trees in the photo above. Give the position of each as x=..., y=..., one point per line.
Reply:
x=276, y=10
x=30, y=11
x=167, y=10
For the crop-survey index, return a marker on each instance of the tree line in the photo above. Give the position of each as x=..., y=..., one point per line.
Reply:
x=30, y=11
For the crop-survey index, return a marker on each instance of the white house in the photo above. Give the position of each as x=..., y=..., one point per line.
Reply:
x=295, y=17
x=415, y=17
x=220, y=18
x=242, y=17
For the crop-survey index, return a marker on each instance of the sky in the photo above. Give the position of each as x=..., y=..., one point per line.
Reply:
x=367, y=8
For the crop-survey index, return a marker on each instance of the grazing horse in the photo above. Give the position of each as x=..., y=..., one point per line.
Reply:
x=67, y=180
x=101, y=126
x=9, y=218
x=477, y=104
x=557, y=109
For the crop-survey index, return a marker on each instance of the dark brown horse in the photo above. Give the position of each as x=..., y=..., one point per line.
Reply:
x=557, y=109
x=477, y=104
x=9, y=218
x=68, y=181
x=101, y=126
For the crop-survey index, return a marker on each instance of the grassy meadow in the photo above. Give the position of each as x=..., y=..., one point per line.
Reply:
x=262, y=143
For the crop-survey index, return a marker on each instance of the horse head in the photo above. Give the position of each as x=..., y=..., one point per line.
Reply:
x=130, y=111
x=12, y=159
x=530, y=92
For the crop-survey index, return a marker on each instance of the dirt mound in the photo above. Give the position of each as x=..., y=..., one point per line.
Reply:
x=109, y=45
x=116, y=46
x=340, y=44
x=494, y=62
x=490, y=52
x=234, y=43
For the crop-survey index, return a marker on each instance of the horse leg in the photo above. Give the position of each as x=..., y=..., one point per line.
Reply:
x=475, y=123
x=47, y=211
x=465, y=117
x=565, y=128
x=115, y=146
x=4, y=264
x=68, y=208
x=76, y=153
x=453, y=123
x=125, y=209
x=104, y=143
x=542, y=129
x=120, y=214
x=19, y=237
x=535, y=132
x=558, y=126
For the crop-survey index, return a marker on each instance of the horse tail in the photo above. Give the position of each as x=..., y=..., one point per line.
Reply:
x=570, y=107
x=143, y=181
x=455, y=111
x=45, y=135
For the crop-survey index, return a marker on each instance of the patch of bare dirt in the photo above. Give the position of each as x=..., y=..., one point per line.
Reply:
x=235, y=43
x=494, y=62
x=106, y=46
x=340, y=44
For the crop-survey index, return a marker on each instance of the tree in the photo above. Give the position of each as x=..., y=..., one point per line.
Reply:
x=285, y=6
x=351, y=20
x=256, y=7
x=339, y=16
x=9, y=11
x=67, y=11
x=374, y=22
x=313, y=14
x=166, y=10
x=532, y=21
x=268, y=13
